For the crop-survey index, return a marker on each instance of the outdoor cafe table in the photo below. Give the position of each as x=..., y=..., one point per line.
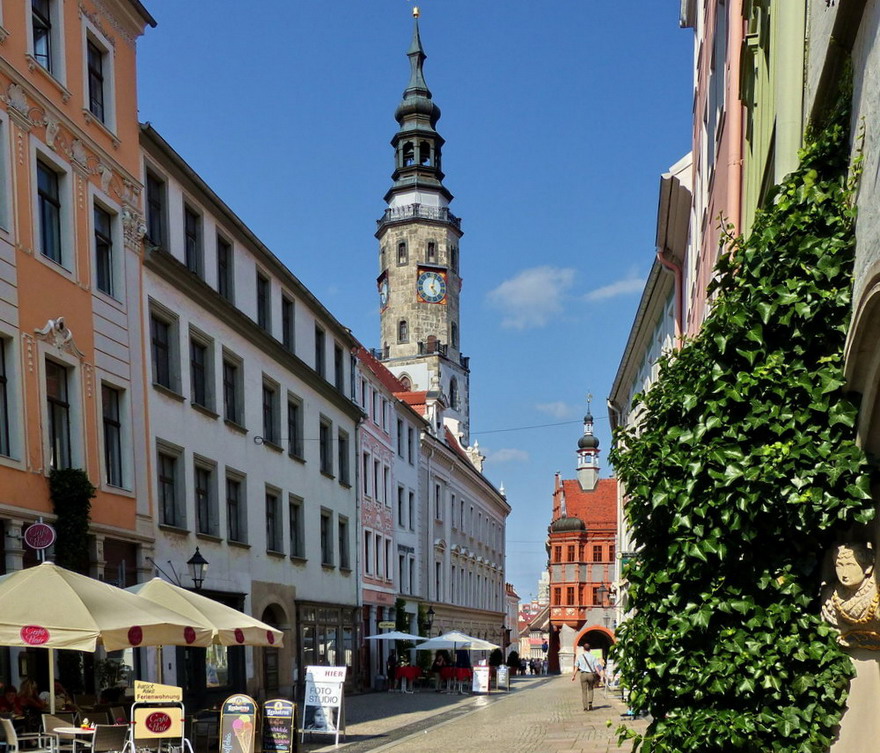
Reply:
x=74, y=730
x=459, y=675
x=407, y=676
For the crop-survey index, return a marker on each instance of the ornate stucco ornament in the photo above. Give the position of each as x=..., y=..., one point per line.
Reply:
x=57, y=333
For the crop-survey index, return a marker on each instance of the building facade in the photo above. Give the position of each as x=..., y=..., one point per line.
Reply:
x=253, y=434
x=582, y=551
x=71, y=383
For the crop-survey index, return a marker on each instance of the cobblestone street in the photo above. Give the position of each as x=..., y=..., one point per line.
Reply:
x=539, y=715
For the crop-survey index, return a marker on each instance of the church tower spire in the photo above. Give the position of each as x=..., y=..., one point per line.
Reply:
x=588, y=454
x=419, y=278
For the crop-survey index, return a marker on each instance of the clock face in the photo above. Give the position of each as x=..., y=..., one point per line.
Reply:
x=383, y=293
x=431, y=287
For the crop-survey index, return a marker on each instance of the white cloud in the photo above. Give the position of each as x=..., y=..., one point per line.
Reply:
x=533, y=297
x=630, y=284
x=508, y=455
x=557, y=409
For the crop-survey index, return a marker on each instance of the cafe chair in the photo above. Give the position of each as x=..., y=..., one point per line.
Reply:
x=119, y=714
x=109, y=737
x=31, y=742
x=64, y=743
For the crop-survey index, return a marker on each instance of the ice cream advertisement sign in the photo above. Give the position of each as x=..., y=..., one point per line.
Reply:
x=238, y=723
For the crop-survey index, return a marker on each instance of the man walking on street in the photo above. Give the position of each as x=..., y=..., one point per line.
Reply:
x=588, y=668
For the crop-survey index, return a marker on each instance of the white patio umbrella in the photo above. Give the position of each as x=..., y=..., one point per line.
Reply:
x=395, y=635
x=230, y=627
x=456, y=640
x=50, y=607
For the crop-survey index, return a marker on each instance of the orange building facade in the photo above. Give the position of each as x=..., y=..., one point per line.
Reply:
x=581, y=548
x=71, y=374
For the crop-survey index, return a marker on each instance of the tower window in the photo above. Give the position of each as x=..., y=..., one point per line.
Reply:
x=408, y=154
x=453, y=258
x=407, y=384
x=402, y=331
x=453, y=394
x=424, y=153
x=382, y=263
x=402, y=255
x=453, y=334
x=432, y=251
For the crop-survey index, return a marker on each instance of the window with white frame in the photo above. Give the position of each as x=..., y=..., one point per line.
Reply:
x=112, y=412
x=342, y=450
x=271, y=418
x=264, y=301
x=412, y=510
x=236, y=519
x=49, y=212
x=401, y=507
x=5, y=400
x=274, y=526
x=327, y=538
x=169, y=485
x=104, y=255
x=193, y=251
x=225, y=269
x=325, y=446
x=297, y=528
x=294, y=426
x=164, y=348
x=342, y=537
x=288, y=323
x=46, y=29
x=205, y=487
x=157, y=206
x=98, y=79
x=201, y=370
x=233, y=388
x=59, y=414
x=368, y=552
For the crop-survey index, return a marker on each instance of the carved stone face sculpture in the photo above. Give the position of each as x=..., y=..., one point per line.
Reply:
x=851, y=604
x=851, y=572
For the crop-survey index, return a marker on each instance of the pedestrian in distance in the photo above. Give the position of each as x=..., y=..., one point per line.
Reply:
x=587, y=666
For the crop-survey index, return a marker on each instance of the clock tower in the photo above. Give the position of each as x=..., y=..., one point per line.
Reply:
x=419, y=283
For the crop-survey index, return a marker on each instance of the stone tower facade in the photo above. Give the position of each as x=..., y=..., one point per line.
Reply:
x=419, y=281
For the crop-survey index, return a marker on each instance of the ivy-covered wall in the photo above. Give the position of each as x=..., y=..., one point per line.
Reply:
x=740, y=475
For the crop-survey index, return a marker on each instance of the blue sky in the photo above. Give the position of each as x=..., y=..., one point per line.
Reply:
x=559, y=119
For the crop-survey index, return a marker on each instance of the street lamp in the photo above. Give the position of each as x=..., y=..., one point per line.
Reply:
x=429, y=619
x=198, y=566
x=602, y=593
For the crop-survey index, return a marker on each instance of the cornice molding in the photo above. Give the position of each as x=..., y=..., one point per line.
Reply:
x=176, y=274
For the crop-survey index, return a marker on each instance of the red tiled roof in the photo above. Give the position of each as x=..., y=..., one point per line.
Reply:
x=415, y=400
x=598, y=506
x=388, y=380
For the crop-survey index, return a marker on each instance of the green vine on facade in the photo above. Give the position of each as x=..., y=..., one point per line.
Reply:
x=740, y=475
x=71, y=493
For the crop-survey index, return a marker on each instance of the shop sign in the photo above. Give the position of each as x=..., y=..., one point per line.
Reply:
x=323, y=705
x=279, y=723
x=153, y=692
x=238, y=722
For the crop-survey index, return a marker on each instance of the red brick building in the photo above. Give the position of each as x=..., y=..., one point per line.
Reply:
x=581, y=548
